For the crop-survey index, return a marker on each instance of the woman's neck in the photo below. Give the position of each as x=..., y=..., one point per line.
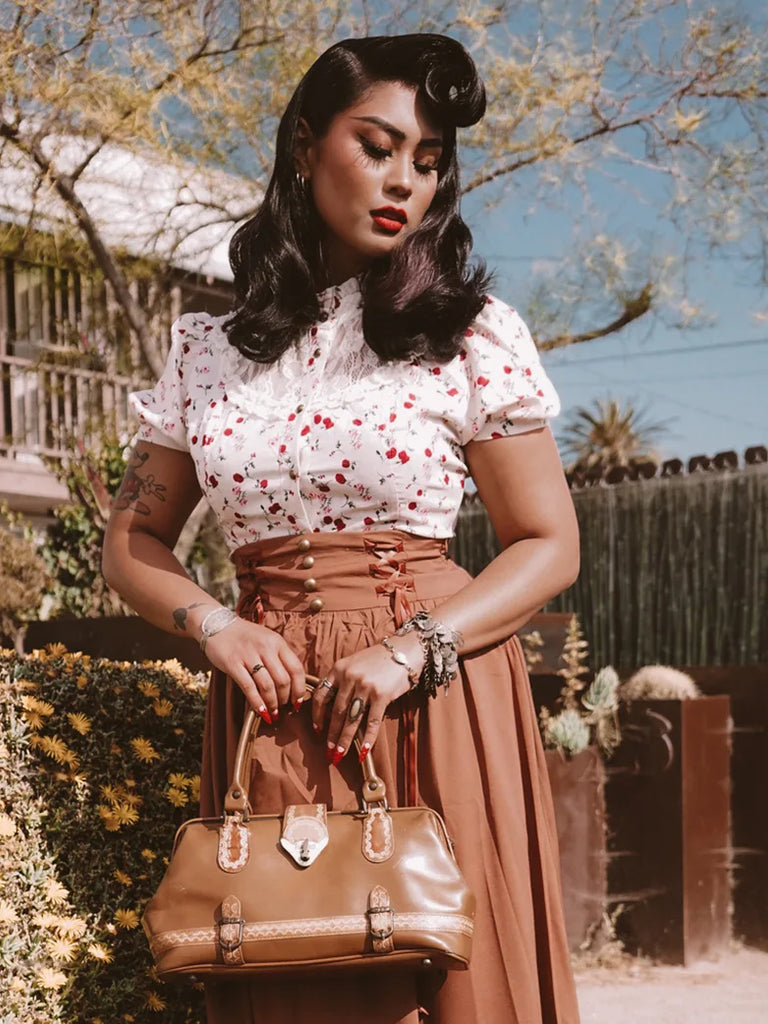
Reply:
x=340, y=263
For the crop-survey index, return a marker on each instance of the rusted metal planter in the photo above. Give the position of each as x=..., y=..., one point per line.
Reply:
x=579, y=799
x=747, y=687
x=668, y=795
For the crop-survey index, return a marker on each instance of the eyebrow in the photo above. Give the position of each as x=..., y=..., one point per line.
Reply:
x=390, y=129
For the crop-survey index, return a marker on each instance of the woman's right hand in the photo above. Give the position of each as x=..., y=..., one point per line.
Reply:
x=262, y=664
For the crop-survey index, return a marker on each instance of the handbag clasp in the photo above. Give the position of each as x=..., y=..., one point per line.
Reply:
x=229, y=945
x=305, y=832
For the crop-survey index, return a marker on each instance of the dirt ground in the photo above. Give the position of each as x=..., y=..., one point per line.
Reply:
x=732, y=990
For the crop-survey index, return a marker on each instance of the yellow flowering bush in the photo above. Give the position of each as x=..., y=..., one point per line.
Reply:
x=99, y=765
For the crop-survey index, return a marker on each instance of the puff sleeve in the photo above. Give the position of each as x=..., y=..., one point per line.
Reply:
x=161, y=410
x=509, y=392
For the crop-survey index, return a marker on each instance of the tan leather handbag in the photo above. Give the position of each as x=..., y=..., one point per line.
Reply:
x=259, y=895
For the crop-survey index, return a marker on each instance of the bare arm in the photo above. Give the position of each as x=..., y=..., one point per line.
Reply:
x=521, y=482
x=158, y=493
x=522, y=485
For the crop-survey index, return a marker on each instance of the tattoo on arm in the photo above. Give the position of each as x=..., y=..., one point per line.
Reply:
x=134, y=484
x=180, y=614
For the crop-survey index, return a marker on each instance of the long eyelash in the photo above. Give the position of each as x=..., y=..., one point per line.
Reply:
x=378, y=153
x=373, y=151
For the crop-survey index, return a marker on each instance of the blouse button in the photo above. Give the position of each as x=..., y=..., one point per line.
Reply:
x=293, y=474
x=316, y=605
x=317, y=353
x=322, y=316
x=310, y=584
x=304, y=544
x=299, y=408
x=307, y=562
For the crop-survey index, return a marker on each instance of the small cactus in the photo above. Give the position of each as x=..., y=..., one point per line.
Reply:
x=569, y=731
x=659, y=682
x=601, y=695
x=601, y=701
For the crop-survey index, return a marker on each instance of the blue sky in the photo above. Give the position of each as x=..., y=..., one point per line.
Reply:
x=708, y=384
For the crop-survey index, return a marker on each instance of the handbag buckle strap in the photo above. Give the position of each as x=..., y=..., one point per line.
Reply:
x=229, y=945
x=380, y=930
x=381, y=920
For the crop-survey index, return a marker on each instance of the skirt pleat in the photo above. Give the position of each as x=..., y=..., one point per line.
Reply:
x=480, y=764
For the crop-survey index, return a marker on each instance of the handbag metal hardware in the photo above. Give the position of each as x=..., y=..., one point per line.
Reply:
x=305, y=832
x=230, y=945
x=389, y=930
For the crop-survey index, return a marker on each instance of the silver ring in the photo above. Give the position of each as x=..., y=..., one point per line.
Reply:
x=256, y=668
x=325, y=682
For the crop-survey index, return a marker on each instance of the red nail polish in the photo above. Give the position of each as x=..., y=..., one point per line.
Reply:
x=297, y=705
x=266, y=716
x=330, y=753
x=275, y=715
x=364, y=752
x=337, y=756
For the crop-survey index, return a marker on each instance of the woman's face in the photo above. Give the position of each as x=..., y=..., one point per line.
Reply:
x=372, y=176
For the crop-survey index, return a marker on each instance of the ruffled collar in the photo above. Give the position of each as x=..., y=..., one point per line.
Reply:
x=331, y=298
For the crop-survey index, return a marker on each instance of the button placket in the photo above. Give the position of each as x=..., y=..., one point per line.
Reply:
x=303, y=546
x=319, y=352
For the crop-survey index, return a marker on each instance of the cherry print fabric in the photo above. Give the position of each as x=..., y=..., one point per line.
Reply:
x=331, y=438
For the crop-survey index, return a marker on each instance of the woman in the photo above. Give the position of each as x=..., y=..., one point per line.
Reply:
x=331, y=421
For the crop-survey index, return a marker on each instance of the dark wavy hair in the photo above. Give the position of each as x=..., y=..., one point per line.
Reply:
x=418, y=300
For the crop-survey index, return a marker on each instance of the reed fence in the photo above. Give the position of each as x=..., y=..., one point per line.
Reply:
x=673, y=570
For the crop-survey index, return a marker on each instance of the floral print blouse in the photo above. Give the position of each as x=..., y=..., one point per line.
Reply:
x=330, y=437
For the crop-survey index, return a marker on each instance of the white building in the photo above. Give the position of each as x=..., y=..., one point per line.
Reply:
x=67, y=362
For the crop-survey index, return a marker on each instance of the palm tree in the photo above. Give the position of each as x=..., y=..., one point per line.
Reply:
x=608, y=436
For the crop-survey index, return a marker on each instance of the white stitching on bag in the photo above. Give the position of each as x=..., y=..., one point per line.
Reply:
x=348, y=925
x=378, y=856
x=233, y=835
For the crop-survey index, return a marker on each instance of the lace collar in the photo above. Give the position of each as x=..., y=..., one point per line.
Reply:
x=332, y=298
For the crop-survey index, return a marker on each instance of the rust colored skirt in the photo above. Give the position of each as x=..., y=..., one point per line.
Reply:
x=479, y=763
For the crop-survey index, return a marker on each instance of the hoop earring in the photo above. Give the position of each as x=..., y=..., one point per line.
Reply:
x=302, y=182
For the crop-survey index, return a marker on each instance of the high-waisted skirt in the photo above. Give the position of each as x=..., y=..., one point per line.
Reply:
x=478, y=762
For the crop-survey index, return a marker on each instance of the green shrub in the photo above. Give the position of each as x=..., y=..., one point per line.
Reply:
x=23, y=580
x=75, y=538
x=98, y=767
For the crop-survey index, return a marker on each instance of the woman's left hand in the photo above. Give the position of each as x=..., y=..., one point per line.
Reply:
x=368, y=680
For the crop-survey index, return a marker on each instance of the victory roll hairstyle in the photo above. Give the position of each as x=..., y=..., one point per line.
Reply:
x=420, y=299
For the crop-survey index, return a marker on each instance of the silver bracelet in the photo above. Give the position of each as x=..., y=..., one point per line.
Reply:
x=214, y=622
x=439, y=643
x=400, y=658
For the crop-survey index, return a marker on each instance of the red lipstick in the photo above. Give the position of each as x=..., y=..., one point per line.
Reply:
x=389, y=219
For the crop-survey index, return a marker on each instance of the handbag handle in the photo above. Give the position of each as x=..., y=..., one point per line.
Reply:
x=373, y=791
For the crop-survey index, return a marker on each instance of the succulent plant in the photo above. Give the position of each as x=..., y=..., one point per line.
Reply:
x=601, y=702
x=574, y=657
x=659, y=682
x=567, y=730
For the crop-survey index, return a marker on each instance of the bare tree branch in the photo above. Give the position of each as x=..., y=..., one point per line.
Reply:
x=633, y=309
x=104, y=257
